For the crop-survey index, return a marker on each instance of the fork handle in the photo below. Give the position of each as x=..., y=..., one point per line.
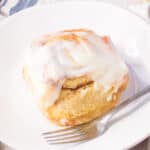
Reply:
x=106, y=118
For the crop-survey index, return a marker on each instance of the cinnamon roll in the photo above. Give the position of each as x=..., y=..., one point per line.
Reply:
x=75, y=75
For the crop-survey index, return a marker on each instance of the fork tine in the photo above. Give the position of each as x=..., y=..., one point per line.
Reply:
x=71, y=135
x=72, y=132
x=65, y=138
x=62, y=130
x=74, y=140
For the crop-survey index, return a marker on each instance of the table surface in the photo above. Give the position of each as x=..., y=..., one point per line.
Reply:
x=144, y=145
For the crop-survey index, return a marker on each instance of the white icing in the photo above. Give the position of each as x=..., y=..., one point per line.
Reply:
x=52, y=63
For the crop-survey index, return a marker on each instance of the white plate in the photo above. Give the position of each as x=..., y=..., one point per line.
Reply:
x=20, y=121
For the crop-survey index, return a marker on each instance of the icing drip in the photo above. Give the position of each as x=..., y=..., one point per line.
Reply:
x=69, y=54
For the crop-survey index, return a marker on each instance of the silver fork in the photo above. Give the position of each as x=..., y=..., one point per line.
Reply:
x=92, y=129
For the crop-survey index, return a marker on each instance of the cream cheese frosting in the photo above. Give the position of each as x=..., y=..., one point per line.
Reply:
x=72, y=53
